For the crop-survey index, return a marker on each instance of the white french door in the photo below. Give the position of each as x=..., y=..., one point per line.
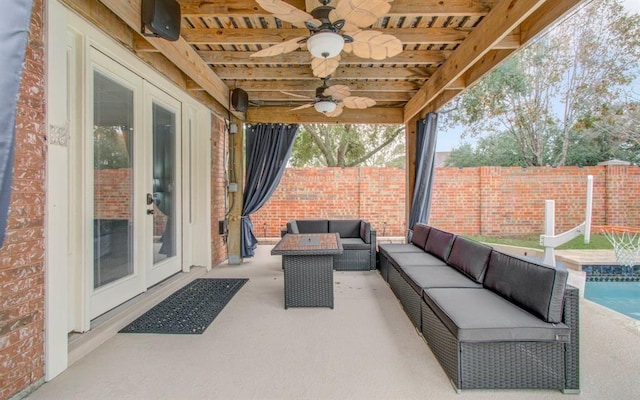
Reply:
x=134, y=219
x=163, y=183
x=115, y=154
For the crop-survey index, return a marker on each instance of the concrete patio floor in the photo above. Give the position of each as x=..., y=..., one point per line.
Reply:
x=365, y=348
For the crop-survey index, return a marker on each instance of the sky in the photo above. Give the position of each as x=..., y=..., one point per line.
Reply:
x=450, y=139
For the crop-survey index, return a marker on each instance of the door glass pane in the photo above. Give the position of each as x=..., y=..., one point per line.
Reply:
x=113, y=180
x=164, y=166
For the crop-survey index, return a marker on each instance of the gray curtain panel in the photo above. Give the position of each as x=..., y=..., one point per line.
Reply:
x=14, y=31
x=268, y=150
x=426, y=138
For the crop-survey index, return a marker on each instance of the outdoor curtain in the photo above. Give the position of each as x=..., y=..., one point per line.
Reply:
x=268, y=150
x=426, y=137
x=14, y=30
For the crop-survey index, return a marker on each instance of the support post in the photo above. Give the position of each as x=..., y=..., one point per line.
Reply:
x=236, y=163
x=587, y=217
x=410, y=166
x=549, y=230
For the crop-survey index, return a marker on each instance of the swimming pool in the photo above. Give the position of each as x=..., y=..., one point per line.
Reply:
x=623, y=297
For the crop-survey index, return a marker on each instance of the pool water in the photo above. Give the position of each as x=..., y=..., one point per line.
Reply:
x=623, y=297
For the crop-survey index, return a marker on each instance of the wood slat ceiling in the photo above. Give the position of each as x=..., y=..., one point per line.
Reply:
x=447, y=46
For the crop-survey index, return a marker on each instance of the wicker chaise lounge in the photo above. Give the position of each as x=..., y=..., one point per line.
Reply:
x=492, y=320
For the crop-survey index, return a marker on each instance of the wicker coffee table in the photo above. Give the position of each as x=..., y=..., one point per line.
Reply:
x=307, y=260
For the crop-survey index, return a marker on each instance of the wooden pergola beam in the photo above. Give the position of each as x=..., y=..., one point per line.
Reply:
x=364, y=86
x=269, y=36
x=309, y=115
x=305, y=73
x=539, y=21
x=302, y=57
x=424, y=8
x=504, y=18
x=179, y=52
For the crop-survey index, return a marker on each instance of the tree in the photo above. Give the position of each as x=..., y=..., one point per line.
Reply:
x=498, y=150
x=348, y=146
x=617, y=133
x=110, y=149
x=545, y=96
x=616, y=136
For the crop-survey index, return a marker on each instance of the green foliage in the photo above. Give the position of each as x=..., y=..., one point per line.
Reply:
x=497, y=150
x=110, y=148
x=320, y=145
x=558, y=101
x=533, y=241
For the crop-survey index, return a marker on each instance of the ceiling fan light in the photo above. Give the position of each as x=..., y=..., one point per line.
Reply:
x=324, y=106
x=325, y=44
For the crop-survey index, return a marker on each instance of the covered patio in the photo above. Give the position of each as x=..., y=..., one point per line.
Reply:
x=365, y=348
x=438, y=49
x=94, y=56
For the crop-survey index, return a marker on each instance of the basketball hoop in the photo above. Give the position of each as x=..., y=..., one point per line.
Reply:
x=625, y=242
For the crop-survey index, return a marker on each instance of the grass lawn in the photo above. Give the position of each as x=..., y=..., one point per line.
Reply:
x=533, y=241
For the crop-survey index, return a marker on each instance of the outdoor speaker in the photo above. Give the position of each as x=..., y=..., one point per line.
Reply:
x=161, y=18
x=239, y=100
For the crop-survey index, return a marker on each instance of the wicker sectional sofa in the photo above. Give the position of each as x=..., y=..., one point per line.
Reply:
x=356, y=236
x=492, y=320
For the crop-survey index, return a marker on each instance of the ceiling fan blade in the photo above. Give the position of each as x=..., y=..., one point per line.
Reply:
x=361, y=13
x=296, y=95
x=285, y=11
x=280, y=48
x=337, y=92
x=375, y=45
x=358, y=102
x=323, y=67
x=302, y=107
x=336, y=112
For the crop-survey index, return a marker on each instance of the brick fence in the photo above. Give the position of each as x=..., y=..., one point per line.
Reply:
x=492, y=201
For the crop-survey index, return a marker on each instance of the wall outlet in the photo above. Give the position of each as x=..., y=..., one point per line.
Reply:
x=223, y=226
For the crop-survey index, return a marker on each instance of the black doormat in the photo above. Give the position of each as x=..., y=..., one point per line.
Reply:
x=189, y=310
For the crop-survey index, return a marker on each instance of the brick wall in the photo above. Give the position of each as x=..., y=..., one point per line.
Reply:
x=491, y=201
x=22, y=254
x=510, y=201
x=374, y=194
x=113, y=191
x=219, y=148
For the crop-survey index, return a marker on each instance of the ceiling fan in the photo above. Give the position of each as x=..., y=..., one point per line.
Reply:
x=331, y=100
x=333, y=30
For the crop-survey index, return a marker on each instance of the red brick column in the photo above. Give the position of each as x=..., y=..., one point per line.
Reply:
x=22, y=254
